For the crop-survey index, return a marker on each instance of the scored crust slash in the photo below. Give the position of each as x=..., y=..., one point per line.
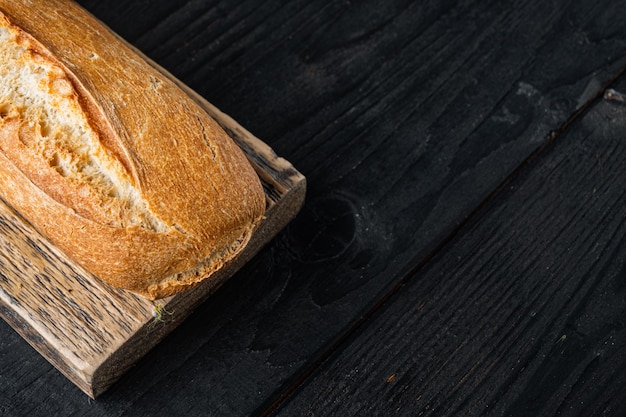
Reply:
x=110, y=160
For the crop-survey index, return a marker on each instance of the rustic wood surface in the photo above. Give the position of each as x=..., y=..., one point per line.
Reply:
x=523, y=313
x=410, y=121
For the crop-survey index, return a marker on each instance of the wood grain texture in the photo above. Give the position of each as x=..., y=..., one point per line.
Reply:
x=93, y=333
x=403, y=115
x=522, y=314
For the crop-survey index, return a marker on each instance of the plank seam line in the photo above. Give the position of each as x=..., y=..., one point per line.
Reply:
x=343, y=339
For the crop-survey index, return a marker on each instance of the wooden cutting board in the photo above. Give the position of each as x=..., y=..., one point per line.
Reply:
x=93, y=333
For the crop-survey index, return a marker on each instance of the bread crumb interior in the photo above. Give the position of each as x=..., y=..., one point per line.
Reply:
x=38, y=93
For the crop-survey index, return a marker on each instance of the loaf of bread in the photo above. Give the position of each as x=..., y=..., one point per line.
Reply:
x=110, y=160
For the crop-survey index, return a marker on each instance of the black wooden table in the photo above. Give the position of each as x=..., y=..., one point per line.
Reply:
x=462, y=250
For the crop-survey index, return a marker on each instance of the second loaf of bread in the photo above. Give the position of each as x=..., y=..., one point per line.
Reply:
x=110, y=160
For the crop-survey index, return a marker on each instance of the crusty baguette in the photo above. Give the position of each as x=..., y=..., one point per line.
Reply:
x=110, y=160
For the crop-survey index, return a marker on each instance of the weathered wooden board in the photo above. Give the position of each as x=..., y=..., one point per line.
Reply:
x=93, y=333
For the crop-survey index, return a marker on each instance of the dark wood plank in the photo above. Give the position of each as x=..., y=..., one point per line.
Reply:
x=523, y=314
x=403, y=116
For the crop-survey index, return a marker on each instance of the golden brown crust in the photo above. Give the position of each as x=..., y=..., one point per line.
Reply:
x=189, y=173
